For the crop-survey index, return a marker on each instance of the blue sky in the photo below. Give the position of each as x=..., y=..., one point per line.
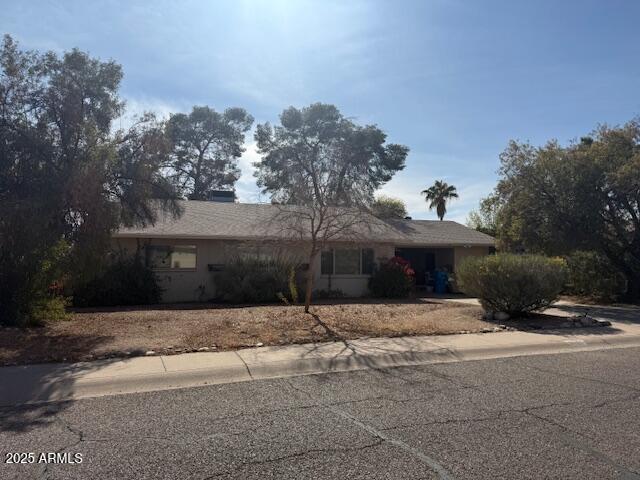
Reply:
x=453, y=80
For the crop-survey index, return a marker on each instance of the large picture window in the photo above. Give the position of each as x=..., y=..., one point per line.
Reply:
x=171, y=257
x=347, y=261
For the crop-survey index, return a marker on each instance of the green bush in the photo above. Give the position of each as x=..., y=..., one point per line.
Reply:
x=392, y=279
x=28, y=296
x=48, y=309
x=592, y=275
x=255, y=280
x=124, y=281
x=515, y=284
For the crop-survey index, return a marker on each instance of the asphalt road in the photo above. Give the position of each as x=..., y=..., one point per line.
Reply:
x=553, y=416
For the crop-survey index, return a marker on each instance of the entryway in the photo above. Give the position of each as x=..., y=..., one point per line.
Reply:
x=426, y=261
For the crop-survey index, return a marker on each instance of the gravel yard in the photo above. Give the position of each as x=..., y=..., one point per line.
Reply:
x=180, y=328
x=177, y=328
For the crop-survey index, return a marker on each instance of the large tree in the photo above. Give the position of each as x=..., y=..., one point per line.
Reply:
x=66, y=182
x=585, y=196
x=207, y=146
x=438, y=195
x=485, y=218
x=325, y=169
x=388, y=207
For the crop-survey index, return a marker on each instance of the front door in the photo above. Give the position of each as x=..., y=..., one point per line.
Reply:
x=422, y=261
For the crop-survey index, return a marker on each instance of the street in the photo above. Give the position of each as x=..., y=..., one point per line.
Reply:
x=574, y=415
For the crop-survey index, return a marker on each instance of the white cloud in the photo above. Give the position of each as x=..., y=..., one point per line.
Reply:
x=407, y=186
x=139, y=105
x=136, y=106
x=246, y=188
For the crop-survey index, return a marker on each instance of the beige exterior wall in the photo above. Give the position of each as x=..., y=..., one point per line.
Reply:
x=351, y=285
x=460, y=253
x=194, y=285
x=184, y=285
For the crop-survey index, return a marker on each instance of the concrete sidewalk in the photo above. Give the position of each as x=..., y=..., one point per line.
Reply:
x=59, y=382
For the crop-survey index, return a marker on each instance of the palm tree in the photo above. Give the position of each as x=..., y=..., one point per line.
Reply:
x=438, y=195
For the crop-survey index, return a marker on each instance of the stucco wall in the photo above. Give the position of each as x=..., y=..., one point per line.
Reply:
x=352, y=285
x=460, y=253
x=185, y=285
x=199, y=284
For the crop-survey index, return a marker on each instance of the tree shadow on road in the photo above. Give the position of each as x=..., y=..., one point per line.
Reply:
x=32, y=395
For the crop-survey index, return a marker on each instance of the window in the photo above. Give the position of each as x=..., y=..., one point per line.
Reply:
x=367, y=261
x=326, y=262
x=171, y=256
x=244, y=251
x=347, y=261
x=258, y=251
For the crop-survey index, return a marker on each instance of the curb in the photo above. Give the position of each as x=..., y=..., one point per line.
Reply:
x=41, y=383
x=435, y=356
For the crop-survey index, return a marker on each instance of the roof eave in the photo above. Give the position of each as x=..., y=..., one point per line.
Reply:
x=394, y=241
x=192, y=237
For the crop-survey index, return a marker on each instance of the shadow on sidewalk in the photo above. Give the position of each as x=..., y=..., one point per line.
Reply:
x=351, y=352
x=32, y=395
x=612, y=313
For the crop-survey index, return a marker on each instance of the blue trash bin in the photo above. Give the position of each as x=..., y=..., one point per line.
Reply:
x=441, y=282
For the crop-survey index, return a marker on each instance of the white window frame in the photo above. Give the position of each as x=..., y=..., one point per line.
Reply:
x=333, y=263
x=171, y=247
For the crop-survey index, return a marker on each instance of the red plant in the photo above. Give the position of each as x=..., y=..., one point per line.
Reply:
x=403, y=264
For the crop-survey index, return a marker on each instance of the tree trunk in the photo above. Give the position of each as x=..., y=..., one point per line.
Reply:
x=632, y=293
x=310, y=274
x=633, y=288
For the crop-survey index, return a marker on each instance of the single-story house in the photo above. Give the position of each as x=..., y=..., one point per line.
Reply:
x=186, y=251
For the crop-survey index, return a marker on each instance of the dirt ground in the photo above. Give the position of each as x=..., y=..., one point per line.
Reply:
x=91, y=334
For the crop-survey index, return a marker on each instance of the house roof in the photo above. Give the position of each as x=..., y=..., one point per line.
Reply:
x=244, y=221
